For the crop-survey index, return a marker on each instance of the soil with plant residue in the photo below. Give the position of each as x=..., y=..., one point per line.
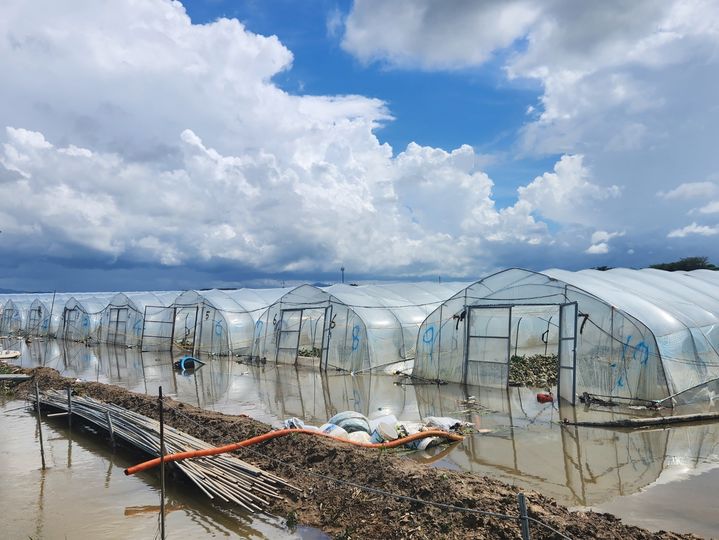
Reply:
x=538, y=371
x=347, y=510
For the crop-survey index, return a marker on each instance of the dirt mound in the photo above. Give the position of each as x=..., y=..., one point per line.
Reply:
x=347, y=511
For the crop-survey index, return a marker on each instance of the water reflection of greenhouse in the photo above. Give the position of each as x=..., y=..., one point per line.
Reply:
x=524, y=442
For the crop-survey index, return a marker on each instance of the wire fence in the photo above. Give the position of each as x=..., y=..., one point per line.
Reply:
x=522, y=517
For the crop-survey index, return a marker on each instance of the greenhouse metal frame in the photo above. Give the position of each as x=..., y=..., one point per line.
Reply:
x=346, y=327
x=44, y=317
x=122, y=320
x=82, y=317
x=639, y=335
x=215, y=322
x=15, y=314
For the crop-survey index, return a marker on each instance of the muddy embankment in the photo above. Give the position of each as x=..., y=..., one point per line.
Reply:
x=346, y=511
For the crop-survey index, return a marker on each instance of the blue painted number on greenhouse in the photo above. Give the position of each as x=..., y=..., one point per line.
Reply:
x=355, y=337
x=643, y=351
x=137, y=327
x=218, y=328
x=640, y=352
x=85, y=321
x=428, y=336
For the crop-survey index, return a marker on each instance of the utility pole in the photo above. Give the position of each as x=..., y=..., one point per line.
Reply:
x=343, y=274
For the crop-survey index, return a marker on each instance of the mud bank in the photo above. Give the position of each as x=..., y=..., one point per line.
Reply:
x=346, y=511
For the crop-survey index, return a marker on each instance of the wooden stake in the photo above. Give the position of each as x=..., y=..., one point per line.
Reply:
x=523, y=515
x=69, y=407
x=39, y=424
x=162, y=466
x=110, y=427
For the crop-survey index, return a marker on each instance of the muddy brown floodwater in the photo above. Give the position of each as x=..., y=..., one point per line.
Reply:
x=633, y=475
x=83, y=493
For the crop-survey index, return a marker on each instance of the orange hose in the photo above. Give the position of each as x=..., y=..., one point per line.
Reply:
x=281, y=433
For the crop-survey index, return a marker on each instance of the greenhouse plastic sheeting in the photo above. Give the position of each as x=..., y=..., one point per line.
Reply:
x=213, y=321
x=15, y=314
x=347, y=327
x=637, y=334
x=82, y=317
x=44, y=316
x=122, y=320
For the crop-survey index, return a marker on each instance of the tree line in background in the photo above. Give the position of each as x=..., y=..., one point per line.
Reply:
x=682, y=265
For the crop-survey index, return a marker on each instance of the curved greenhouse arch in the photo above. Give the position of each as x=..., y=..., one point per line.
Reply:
x=122, y=320
x=640, y=334
x=81, y=317
x=347, y=327
x=218, y=322
x=15, y=314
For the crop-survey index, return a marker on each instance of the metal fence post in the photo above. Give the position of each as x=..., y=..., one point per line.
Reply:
x=39, y=423
x=162, y=466
x=523, y=517
x=69, y=407
x=110, y=427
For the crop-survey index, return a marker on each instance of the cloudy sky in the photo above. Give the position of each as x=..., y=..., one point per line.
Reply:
x=152, y=144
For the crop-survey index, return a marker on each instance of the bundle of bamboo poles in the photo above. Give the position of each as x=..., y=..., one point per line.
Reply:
x=223, y=476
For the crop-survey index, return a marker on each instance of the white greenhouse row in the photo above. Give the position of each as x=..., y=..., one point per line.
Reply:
x=636, y=334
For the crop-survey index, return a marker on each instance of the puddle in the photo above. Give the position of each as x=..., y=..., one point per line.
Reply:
x=631, y=474
x=84, y=494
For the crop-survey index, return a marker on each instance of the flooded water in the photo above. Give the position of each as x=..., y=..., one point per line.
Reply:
x=657, y=478
x=83, y=492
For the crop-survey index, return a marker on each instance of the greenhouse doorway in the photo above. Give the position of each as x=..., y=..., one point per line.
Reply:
x=117, y=325
x=498, y=335
x=35, y=320
x=303, y=336
x=184, y=333
x=487, y=348
x=567, y=383
x=211, y=335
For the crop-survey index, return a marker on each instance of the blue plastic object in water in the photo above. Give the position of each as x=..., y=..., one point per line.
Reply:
x=187, y=362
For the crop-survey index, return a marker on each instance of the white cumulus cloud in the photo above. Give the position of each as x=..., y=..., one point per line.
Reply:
x=631, y=86
x=598, y=249
x=691, y=190
x=409, y=33
x=711, y=208
x=694, y=229
x=600, y=242
x=567, y=195
x=135, y=137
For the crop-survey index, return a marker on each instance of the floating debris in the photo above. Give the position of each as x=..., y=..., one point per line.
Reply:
x=187, y=363
x=589, y=399
x=545, y=397
x=472, y=406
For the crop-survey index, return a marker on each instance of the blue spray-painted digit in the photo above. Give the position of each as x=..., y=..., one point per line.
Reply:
x=643, y=349
x=218, y=328
x=428, y=336
x=355, y=337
